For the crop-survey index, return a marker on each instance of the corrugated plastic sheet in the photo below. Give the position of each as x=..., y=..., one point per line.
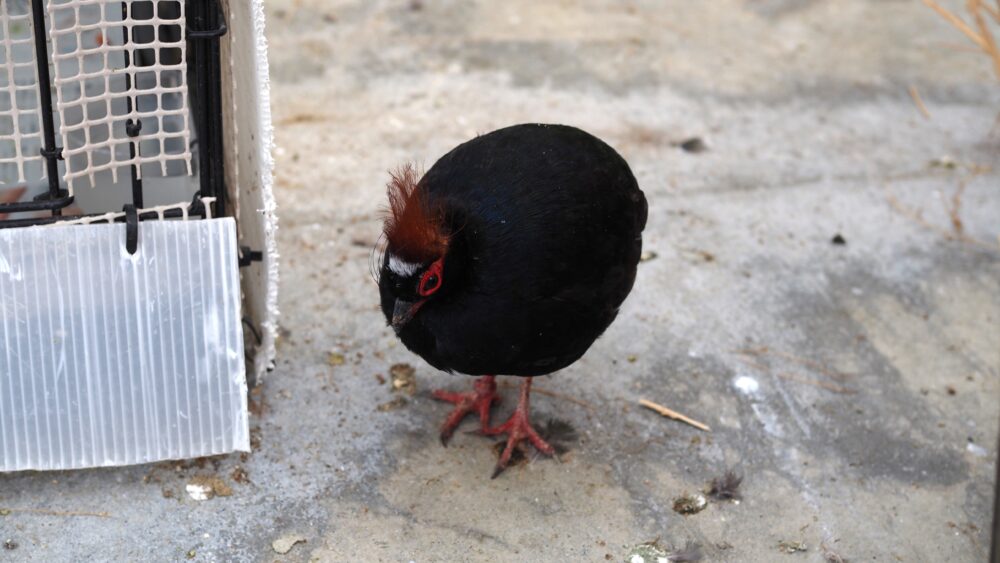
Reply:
x=113, y=359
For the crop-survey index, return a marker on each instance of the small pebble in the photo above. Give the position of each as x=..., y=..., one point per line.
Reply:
x=403, y=378
x=690, y=504
x=787, y=546
x=976, y=450
x=397, y=403
x=694, y=145
x=284, y=544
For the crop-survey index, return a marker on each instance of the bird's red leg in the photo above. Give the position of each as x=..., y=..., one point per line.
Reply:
x=518, y=428
x=479, y=401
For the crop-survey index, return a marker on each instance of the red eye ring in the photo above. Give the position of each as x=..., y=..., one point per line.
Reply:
x=431, y=280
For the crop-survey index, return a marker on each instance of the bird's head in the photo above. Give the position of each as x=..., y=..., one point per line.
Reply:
x=412, y=271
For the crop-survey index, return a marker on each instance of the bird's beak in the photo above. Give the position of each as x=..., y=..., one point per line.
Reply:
x=402, y=312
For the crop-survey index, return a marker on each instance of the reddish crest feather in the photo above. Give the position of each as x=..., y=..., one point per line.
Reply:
x=413, y=229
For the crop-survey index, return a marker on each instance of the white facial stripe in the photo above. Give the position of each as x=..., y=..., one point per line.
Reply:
x=402, y=268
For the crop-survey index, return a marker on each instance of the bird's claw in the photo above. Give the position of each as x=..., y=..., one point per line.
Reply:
x=497, y=471
x=478, y=401
x=518, y=429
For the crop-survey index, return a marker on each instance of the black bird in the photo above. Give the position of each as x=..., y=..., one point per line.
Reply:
x=510, y=256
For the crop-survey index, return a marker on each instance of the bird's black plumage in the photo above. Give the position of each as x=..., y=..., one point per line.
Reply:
x=544, y=226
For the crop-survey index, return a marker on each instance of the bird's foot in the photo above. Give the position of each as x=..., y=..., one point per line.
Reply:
x=518, y=429
x=478, y=401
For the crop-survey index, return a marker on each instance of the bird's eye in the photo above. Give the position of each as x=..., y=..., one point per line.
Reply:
x=431, y=280
x=430, y=284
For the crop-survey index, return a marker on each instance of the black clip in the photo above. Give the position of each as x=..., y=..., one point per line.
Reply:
x=248, y=256
x=197, y=206
x=56, y=153
x=132, y=128
x=210, y=33
x=131, y=229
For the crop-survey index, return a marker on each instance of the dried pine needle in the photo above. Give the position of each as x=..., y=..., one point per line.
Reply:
x=673, y=414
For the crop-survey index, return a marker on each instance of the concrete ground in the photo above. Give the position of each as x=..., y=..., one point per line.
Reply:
x=854, y=386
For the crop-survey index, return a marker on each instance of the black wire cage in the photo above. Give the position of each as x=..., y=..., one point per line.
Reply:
x=142, y=124
x=134, y=99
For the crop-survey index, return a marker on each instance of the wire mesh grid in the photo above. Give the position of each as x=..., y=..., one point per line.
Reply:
x=118, y=64
x=160, y=212
x=20, y=134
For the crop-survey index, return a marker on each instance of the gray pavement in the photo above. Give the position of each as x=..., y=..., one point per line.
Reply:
x=854, y=386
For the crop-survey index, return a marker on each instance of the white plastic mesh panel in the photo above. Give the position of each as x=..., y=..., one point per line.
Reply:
x=20, y=131
x=110, y=67
x=160, y=210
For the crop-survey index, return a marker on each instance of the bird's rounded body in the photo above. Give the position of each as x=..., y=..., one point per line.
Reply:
x=544, y=227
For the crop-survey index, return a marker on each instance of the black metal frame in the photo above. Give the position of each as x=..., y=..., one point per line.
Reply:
x=205, y=26
x=132, y=128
